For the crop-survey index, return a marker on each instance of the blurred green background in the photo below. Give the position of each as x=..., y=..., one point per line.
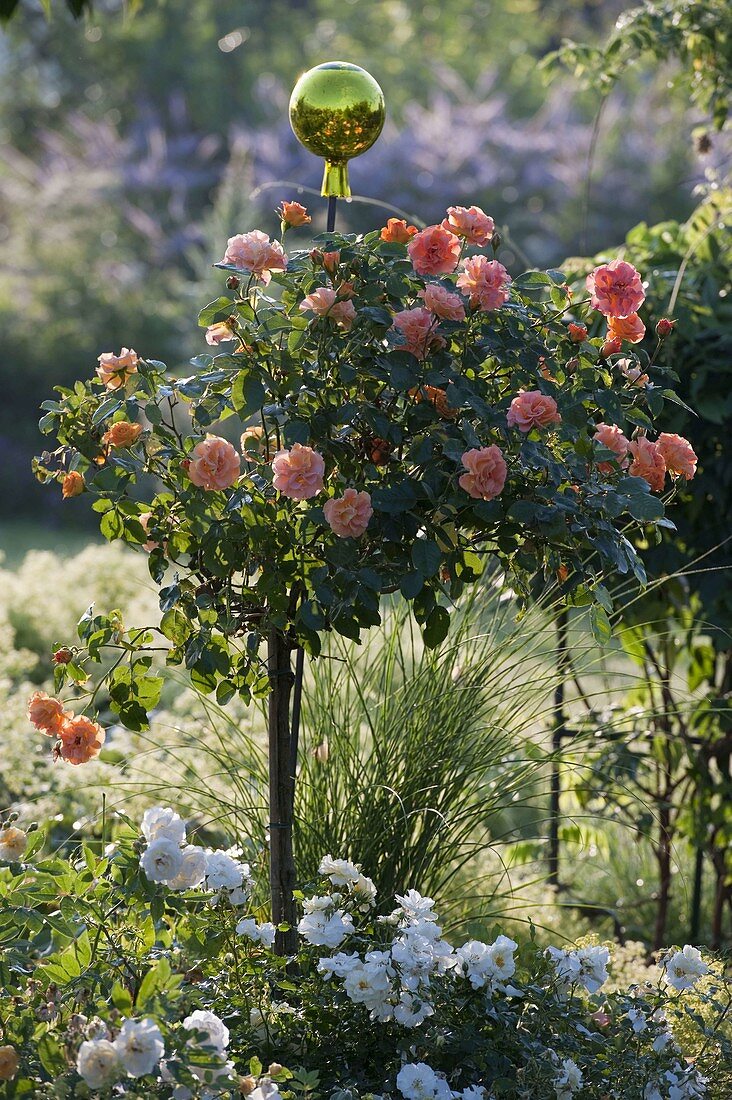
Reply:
x=134, y=144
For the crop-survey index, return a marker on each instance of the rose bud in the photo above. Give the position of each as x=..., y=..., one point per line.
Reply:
x=275, y=1069
x=292, y=214
x=496, y=241
x=664, y=327
x=62, y=656
x=316, y=256
x=233, y=282
x=331, y=261
x=611, y=347
x=577, y=333
x=379, y=451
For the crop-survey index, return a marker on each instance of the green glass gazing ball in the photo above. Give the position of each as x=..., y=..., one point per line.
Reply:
x=337, y=112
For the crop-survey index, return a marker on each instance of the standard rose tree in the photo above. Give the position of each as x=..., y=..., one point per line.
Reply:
x=407, y=415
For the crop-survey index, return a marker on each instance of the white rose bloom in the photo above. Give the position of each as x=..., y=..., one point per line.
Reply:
x=637, y=1020
x=258, y=933
x=216, y=1072
x=486, y=964
x=370, y=984
x=322, y=930
x=415, y=907
x=320, y=904
x=661, y=1041
x=413, y=1011
x=162, y=822
x=162, y=860
x=364, y=891
x=586, y=966
x=98, y=1063
x=216, y=1031
x=474, y=1092
x=266, y=1091
x=192, y=870
x=338, y=965
x=568, y=1081
x=223, y=872
x=339, y=871
x=12, y=844
x=139, y=1046
x=685, y=1083
x=684, y=968
x=417, y=1081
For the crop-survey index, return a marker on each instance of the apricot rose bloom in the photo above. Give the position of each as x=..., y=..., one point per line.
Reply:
x=436, y=397
x=611, y=437
x=348, y=516
x=469, y=222
x=486, y=474
x=294, y=214
x=122, y=434
x=615, y=289
x=577, y=333
x=255, y=445
x=485, y=282
x=397, y=231
x=532, y=409
x=418, y=327
x=144, y=520
x=46, y=713
x=81, y=739
x=298, y=473
x=220, y=333
x=114, y=370
x=678, y=454
x=648, y=462
x=256, y=253
x=324, y=302
x=442, y=303
x=629, y=328
x=13, y=843
x=214, y=464
x=72, y=484
x=434, y=251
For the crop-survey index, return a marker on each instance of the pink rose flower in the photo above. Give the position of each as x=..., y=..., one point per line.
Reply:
x=434, y=251
x=632, y=372
x=298, y=473
x=348, y=516
x=81, y=739
x=485, y=282
x=486, y=474
x=629, y=328
x=144, y=519
x=678, y=454
x=256, y=253
x=442, y=303
x=470, y=223
x=615, y=289
x=46, y=713
x=648, y=462
x=532, y=409
x=397, y=231
x=419, y=329
x=611, y=437
x=214, y=463
x=324, y=302
x=219, y=333
x=114, y=370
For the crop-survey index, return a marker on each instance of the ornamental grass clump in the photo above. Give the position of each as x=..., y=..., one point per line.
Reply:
x=418, y=413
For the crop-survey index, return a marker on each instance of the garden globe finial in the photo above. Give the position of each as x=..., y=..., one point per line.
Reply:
x=337, y=112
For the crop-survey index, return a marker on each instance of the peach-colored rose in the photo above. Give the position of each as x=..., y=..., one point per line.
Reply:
x=648, y=462
x=632, y=372
x=122, y=434
x=397, y=231
x=379, y=450
x=254, y=444
x=469, y=222
x=331, y=261
x=348, y=516
x=13, y=843
x=72, y=484
x=293, y=214
x=144, y=520
x=434, y=251
x=298, y=473
x=419, y=329
x=629, y=328
x=442, y=303
x=615, y=289
x=220, y=333
x=9, y=1063
x=486, y=474
x=46, y=713
x=214, y=463
x=532, y=409
x=436, y=397
x=325, y=303
x=611, y=437
x=678, y=454
x=577, y=333
x=256, y=253
x=81, y=739
x=485, y=282
x=114, y=370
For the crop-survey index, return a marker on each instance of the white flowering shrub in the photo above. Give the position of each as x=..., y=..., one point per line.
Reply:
x=145, y=969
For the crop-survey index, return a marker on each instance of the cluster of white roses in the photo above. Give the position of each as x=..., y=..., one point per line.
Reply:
x=169, y=859
x=585, y=966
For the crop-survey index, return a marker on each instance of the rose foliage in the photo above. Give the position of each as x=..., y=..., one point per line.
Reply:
x=407, y=412
x=141, y=968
